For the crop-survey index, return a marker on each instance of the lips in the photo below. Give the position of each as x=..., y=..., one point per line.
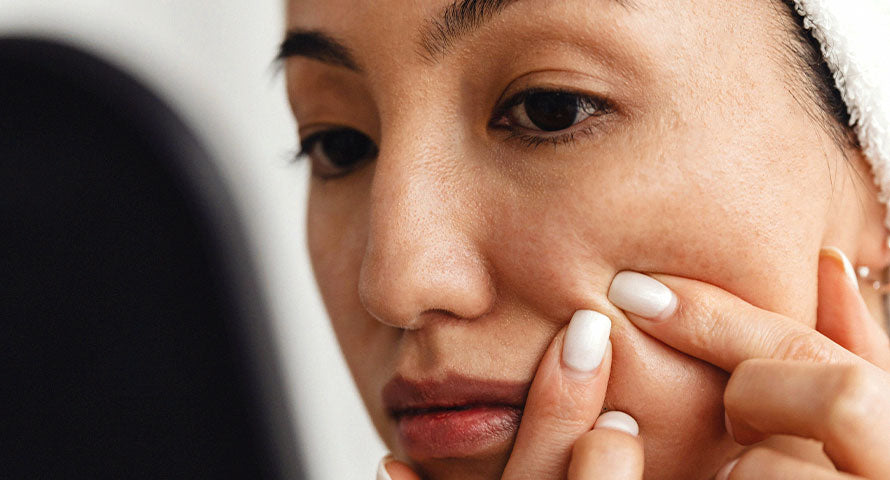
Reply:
x=455, y=417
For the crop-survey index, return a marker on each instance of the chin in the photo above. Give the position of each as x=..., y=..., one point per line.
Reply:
x=488, y=464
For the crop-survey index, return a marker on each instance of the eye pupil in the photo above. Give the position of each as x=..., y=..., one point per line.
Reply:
x=346, y=147
x=552, y=111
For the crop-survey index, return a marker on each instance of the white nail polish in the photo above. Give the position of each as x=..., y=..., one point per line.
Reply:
x=642, y=295
x=838, y=254
x=382, y=474
x=586, y=339
x=620, y=421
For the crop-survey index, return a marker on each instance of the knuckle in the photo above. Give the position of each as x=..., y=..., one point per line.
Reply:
x=567, y=414
x=804, y=346
x=701, y=318
x=567, y=407
x=566, y=423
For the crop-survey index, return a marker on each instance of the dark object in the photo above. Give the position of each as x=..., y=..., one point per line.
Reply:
x=133, y=337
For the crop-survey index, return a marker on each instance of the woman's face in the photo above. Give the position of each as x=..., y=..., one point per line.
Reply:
x=495, y=207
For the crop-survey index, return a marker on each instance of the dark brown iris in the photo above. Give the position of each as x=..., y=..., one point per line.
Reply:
x=552, y=111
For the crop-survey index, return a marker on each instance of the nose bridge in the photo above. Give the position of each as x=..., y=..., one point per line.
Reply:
x=422, y=258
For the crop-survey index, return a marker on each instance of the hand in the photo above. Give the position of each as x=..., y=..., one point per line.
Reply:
x=786, y=378
x=562, y=433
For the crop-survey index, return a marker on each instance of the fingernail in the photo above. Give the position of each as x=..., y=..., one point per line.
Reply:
x=586, y=339
x=620, y=421
x=642, y=295
x=727, y=424
x=724, y=472
x=837, y=255
x=382, y=474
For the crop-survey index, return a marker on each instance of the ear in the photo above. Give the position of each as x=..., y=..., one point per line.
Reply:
x=868, y=216
x=842, y=314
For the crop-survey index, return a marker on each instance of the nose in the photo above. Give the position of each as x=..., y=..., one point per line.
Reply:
x=422, y=259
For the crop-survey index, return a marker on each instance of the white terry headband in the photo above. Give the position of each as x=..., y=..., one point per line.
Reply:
x=855, y=40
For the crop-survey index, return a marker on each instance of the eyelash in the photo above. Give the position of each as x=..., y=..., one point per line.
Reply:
x=533, y=141
x=308, y=144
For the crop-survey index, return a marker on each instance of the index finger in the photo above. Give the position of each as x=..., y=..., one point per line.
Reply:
x=565, y=399
x=838, y=404
x=709, y=323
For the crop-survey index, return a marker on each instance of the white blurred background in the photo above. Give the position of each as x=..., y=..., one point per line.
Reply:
x=212, y=61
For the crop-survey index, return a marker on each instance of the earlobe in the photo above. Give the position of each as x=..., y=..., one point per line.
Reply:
x=842, y=314
x=861, y=219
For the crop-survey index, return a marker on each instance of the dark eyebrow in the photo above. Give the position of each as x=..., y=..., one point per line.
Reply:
x=454, y=21
x=319, y=46
x=462, y=18
x=437, y=35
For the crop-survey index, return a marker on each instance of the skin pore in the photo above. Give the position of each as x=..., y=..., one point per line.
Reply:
x=469, y=239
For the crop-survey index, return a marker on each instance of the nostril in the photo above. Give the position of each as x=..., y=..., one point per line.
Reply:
x=410, y=313
x=442, y=314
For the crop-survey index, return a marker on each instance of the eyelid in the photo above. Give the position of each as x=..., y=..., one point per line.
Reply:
x=316, y=131
x=558, y=80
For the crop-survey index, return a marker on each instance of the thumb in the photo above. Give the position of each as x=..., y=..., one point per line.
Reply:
x=392, y=469
x=565, y=398
x=842, y=314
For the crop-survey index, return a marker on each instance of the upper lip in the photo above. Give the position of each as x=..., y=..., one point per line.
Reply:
x=403, y=396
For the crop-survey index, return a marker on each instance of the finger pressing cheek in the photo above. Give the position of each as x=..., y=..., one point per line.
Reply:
x=709, y=323
x=565, y=398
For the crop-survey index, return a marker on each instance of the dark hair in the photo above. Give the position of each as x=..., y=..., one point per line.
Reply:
x=820, y=89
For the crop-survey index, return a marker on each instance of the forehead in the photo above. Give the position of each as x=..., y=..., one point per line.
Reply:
x=357, y=16
x=701, y=41
x=368, y=24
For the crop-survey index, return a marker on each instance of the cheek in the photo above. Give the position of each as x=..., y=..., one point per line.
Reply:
x=702, y=213
x=745, y=221
x=336, y=239
x=677, y=401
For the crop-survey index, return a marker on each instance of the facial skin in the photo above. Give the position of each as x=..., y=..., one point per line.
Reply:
x=460, y=250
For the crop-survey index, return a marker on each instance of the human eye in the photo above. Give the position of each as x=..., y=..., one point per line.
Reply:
x=541, y=116
x=336, y=152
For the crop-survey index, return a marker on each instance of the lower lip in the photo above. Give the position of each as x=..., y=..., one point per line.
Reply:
x=458, y=433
